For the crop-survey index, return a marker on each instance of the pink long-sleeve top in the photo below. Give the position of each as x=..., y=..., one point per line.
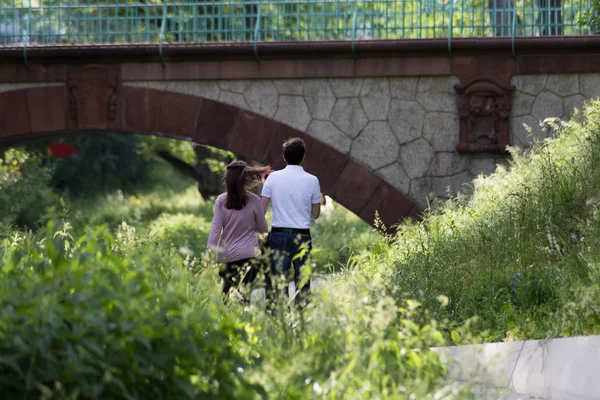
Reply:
x=233, y=232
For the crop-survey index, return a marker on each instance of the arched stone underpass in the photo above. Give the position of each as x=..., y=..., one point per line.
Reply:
x=107, y=107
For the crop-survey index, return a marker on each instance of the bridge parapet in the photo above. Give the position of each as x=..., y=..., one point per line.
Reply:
x=49, y=22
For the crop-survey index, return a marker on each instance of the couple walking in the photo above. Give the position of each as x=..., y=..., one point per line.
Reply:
x=239, y=220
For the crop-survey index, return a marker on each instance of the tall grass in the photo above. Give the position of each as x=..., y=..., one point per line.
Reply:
x=127, y=317
x=175, y=212
x=340, y=238
x=114, y=299
x=513, y=254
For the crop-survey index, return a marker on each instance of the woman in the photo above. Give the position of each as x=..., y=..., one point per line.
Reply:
x=238, y=218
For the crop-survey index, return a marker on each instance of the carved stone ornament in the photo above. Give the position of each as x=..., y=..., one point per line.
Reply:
x=92, y=93
x=484, y=105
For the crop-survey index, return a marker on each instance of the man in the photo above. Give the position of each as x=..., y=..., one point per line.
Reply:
x=296, y=197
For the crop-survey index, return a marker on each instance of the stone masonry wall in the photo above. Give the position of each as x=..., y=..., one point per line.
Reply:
x=403, y=129
x=538, y=97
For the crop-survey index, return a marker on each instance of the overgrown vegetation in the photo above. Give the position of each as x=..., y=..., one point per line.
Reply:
x=108, y=296
x=121, y=313
x=521, y=254
x=111, y=297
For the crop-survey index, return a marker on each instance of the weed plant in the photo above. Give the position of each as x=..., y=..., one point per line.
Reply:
x=175, y=212
x=25, y=194
x=128, y=317
x=520, y=254
x=339, y=237
x=112, y=299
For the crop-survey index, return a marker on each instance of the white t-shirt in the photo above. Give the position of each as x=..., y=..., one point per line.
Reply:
x=292, y=192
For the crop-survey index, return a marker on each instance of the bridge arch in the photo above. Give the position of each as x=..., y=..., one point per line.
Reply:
x=102, y=105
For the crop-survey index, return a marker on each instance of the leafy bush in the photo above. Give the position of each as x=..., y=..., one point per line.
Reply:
x=591, y=19
x=80, y=320
x=99, y=317
x=339, y=238
x=102, y=163
x=129, y=163
x=352, y=342
x=25, y=193
x=188, y=233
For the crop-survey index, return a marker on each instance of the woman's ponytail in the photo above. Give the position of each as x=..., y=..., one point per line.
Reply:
x=239, y=179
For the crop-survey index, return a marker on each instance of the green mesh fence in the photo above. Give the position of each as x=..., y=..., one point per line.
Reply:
x=43, y=22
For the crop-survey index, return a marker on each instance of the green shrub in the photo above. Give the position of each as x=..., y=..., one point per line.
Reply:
x=351, y=342
x=80, y=320
x=102, y=163
x=186, y=232
x=339, y=237
x=99, y=317
x=25, y=193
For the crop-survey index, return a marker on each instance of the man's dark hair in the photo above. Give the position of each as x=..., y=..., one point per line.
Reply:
x=293, y=151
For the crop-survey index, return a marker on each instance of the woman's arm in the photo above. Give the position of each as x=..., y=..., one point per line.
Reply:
x=216, y=227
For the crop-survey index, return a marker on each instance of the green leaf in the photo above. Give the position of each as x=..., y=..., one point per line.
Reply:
x=11, y=362
x=456, y=337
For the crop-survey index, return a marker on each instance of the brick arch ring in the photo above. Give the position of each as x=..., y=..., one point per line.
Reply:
x=43, y=112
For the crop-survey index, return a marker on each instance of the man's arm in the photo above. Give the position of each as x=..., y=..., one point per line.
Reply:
x=265, y=203
x=316, y=200
x=316, y=210
x=266, y=194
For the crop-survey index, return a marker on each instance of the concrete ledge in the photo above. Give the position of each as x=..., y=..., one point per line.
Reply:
x=557, y=369
x=311, y=48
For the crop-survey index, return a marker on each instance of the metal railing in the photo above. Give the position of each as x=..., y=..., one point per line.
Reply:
x=47, y=22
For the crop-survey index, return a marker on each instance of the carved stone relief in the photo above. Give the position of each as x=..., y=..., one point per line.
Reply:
x=484, y=105
x=92, y=93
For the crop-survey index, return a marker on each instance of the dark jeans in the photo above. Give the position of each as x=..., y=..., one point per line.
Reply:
x=289, y=253
x=238, y=272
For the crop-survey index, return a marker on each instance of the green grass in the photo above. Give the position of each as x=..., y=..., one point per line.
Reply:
x=128, y=316
x=521, y=252
x=173, y=210
x=112, y=297
x=339, y=237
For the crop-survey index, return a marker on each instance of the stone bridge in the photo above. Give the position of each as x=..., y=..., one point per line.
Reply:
x=386, y=128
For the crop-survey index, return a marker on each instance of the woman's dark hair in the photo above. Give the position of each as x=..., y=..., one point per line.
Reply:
x=293, y=151
x=239, y=179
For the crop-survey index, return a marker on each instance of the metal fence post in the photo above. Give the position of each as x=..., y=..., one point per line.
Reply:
x=162, y=33
x=354, y=29
x=514, y=29
x=450, y=27
x=257, y=30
